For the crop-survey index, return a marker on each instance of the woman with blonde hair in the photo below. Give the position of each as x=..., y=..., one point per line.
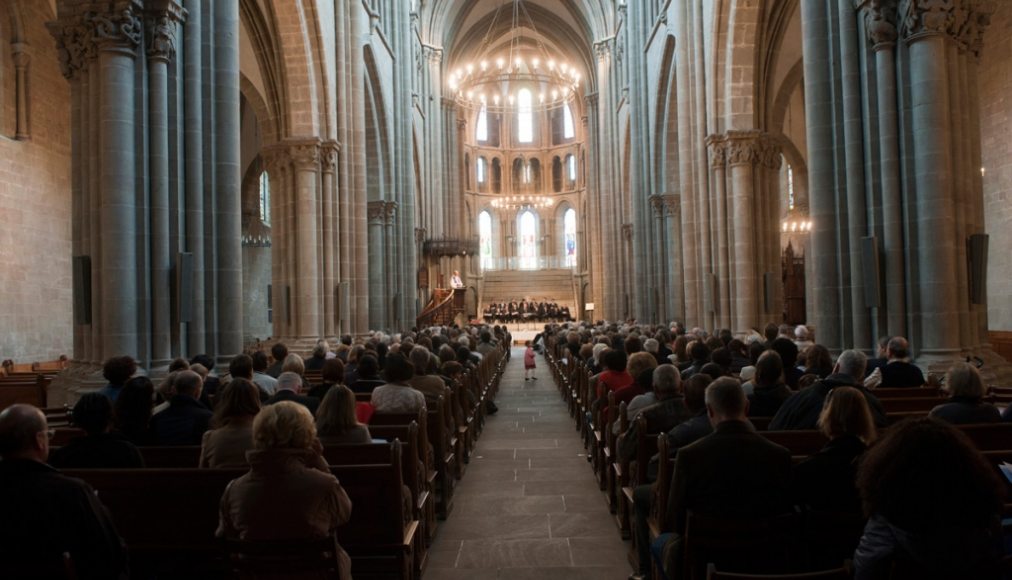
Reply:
x=825, y=481
x=966, y=398
x=289, y=492
x=336, y=422
x=294, y=364
x=231, y=436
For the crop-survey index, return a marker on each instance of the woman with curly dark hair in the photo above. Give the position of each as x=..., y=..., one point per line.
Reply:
x=934, y=505
x=132, y=411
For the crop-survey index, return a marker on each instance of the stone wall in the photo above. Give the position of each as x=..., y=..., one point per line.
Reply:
x=996, y=148
x=35, y=252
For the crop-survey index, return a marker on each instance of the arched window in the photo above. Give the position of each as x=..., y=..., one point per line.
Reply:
x=265, y=198
x=528, y=241
x=571, y=169
x=525, y=116
x=569, y=229
x=479, y=170
x=485, y=239
x=790, y=187
x=568, y=127
x=496, y=175
x=481, y=127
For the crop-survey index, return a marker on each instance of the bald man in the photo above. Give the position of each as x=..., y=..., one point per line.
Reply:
x=899, y=372
x=46, y=514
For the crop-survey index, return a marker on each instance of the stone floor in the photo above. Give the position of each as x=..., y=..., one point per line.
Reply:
x=528, y=506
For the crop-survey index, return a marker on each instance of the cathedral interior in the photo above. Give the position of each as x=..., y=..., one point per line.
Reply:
x=183, y=176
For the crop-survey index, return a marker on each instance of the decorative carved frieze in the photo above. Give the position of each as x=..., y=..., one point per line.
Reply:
x=665, y=205
x=120, y=28
x=718, y=150
x=744, y=147
x=603, y=48
x=305, y=155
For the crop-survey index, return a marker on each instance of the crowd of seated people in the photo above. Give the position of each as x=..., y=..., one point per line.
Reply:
x=704, y=391
x=277, y=428
x=526, y=311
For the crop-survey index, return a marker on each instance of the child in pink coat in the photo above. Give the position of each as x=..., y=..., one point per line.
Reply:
x=529, y=365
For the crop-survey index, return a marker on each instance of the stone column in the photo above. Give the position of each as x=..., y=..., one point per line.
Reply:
x=22, y=60
x=390, y=290
x=377, y=221
x=193, y=128
x=882, y=34
x=720, y=260
x=925, y=31
x=228, y=208
x=161, y=29
x=117, y=36
x=305, y=156
x=331, y=234
x=673, y=290
x=658, y=255
x=742, y=154
x=824, y=304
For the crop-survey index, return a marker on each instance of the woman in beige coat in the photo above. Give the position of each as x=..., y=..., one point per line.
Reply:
x=289, y=492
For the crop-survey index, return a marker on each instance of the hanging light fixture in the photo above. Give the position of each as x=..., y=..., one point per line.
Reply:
x=496, y=81
x=518, y=202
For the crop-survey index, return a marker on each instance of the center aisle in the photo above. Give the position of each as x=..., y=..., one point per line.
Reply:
x=528, y=506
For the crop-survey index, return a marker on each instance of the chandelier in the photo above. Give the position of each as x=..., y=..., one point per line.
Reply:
x=521, y=77
x=796, y=226
x=517, y=202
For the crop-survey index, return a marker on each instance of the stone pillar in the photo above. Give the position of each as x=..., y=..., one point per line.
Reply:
x=673, y=289
x=161, y=27
x=117, y=36
x=824, y=303
x=305, y=155
x=377, y=221
x=193, y=128
x=882, y=34
x=933, y=205
x=720, y=260
x=22, y=60
x=331, y=234
x=742, y=154
x=228, y=208
x=390, y=290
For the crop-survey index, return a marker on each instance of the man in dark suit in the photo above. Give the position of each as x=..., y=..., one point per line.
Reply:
x=899, y=372
x=669, y=411
x=186, y=418
x=46, y=514
x=289, y=387
x=733, y=472
x=801, y=410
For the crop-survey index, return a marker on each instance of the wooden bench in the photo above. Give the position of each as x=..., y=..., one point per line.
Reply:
x=29, y=389
x=910, y=404
x=168, y=517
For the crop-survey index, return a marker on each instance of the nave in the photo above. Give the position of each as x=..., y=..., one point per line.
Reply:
x=529, y=506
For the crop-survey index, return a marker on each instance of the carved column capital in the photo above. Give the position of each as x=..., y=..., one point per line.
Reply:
x=161, y=28
x=376, y=212
x=74, y=44
x=420, y=236
x=390, y=212
x=880, y=23
x=432, y=54
x=627, y=232
x=461, y=123
x=120, y=28
x=657, y=205
x=718, y=150
x=329, y=152
x=743, y=147
x=671, y=204
x=603, y=48
x=305, y=155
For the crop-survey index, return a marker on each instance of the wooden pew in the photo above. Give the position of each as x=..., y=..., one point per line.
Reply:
x=168, y=517
x=431, y=427
x=910, y=404
x=414, y=471
x=30, y=389
x=800, y=443
x=920, y=392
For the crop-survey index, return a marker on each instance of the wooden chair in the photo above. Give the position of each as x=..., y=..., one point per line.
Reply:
x=255, y=560
x=842, y=573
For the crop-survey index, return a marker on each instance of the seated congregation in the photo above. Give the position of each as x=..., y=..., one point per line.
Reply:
x=337, y=465
x=765, y=455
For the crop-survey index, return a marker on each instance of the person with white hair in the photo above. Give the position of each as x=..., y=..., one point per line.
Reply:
x=802, y=337
x=801, y=410
x=289, y=389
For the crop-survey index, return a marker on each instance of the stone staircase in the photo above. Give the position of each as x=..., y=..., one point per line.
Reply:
x=536, y=285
